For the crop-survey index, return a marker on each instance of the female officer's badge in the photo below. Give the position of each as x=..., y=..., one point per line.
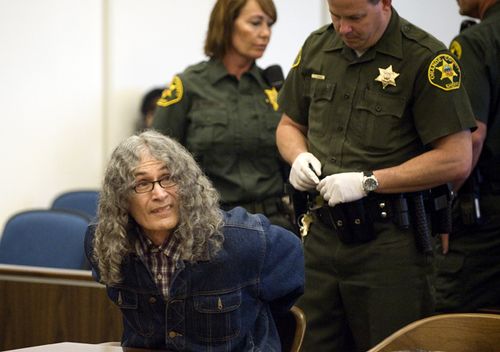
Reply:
x=387, y=76
x=272, y=97
x=444, y=72
x=172, y=94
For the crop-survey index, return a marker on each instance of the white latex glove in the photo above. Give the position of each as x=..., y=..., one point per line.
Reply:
x=302, y=177
x=342, y=188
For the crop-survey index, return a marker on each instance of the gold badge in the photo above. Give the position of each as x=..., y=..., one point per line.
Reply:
x=444, y=72
x=272, y=97
x=172, y=94
x=456, y=49
x=297, y=59
x=387, y=76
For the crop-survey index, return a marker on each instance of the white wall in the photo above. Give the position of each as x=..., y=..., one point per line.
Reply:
x=72, y=73
x=439, y=17
x=50, y=100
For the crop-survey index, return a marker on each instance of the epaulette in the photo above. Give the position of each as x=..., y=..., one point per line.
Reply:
x=421, y=37
x=199, y=67
x=322, y=29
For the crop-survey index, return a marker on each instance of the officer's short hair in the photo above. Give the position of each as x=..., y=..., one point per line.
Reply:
x=221, y=24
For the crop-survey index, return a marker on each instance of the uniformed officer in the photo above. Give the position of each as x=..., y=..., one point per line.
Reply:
x=469, y=274
x=225, y=112
x=374, y=117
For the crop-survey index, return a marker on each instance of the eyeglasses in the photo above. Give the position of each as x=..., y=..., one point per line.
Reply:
x=148, y=186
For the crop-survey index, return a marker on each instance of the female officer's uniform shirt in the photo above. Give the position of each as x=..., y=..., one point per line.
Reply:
x=380, y=109
x=229, y=126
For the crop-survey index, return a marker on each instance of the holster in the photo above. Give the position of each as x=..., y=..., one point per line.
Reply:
x=298, y=202
x=469, y=199
x=352, y=221
x=441, y=202
x=423, y=238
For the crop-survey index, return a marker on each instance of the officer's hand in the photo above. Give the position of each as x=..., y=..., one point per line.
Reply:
x=305, y=171
x=342, y=188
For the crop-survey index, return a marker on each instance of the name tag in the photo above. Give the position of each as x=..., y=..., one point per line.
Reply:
x=317, y=76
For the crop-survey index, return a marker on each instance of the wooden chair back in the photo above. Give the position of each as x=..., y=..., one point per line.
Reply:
x=463, y=332
x=291, y=329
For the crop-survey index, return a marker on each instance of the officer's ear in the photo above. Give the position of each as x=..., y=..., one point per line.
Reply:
x=386, y=5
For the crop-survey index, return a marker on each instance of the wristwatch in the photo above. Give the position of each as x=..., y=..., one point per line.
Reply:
x=369, y=182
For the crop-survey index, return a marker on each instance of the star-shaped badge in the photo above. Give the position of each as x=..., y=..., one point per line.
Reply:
x=447, y=71
x=387, y=76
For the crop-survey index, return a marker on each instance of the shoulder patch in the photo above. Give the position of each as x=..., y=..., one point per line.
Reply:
x=444, y=72
x=297, y=59
x=456, y=49
x=172, y=94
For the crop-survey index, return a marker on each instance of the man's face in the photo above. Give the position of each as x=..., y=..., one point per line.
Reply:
x=360, y=23
x=156, y=211
x=469, y=7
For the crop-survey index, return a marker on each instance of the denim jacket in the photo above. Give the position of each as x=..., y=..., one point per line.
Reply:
x=224, y=304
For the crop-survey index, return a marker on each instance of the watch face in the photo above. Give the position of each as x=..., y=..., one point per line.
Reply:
x=370, y=184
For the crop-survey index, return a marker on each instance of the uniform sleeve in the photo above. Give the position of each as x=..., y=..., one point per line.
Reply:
x=440, y=103
x=292, y=98
x=170, y=117
x=282, y=276
x=475, y=77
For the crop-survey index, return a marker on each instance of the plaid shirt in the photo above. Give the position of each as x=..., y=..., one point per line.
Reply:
x=160, y=260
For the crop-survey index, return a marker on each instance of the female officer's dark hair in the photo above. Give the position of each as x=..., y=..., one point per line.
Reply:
x=221, y=24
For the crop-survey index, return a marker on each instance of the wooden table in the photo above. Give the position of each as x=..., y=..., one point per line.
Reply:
x=40, y=306
x=78, y=347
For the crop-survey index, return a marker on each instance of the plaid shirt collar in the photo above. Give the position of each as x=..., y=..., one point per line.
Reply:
x=161, y=260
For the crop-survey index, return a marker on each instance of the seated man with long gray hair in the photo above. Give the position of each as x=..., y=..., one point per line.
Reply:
x=186, y=275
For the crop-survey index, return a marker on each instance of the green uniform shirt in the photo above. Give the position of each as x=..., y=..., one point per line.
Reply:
x=229, y=126
x=468, y=276
x=478, y=50
x=380, y=109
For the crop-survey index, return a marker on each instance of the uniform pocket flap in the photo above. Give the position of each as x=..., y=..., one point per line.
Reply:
x=379, y=104
x=212, y=119
x=321, y=89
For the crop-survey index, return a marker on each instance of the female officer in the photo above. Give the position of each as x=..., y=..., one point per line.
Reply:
x=186, y=275
x=225, y=112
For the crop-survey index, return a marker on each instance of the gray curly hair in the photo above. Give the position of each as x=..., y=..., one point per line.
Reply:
x=199, y=229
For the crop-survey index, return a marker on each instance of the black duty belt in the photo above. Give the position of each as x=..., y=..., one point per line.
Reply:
x=424, y=211
x=372, y=208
